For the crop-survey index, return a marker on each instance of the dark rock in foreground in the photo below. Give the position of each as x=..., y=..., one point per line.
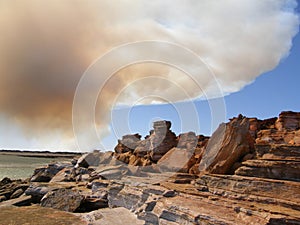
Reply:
x=62, y=199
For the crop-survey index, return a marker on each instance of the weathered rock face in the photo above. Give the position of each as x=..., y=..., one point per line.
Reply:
x=177, y=160
x=72, y=174
x=255, y=125
x=160, y=141
x=227, y=146
x=160, y=144
x=62, y=199
x=284, y=130
x=288, y=121
x=283, y=169
x=274, y=136
x=187, y=141
x=37, y=192
x=239, y=144
x=280, y=162
x=276, y=152
x=133, y=151
x=198, y=154
x=128, y=143
x=45, y=174
x=94, y=159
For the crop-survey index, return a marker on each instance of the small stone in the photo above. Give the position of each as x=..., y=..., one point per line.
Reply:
x=150, y=206
x=237, y=209
x=169, y=194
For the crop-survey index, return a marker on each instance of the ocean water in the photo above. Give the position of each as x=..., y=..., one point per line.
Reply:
x=16, y=167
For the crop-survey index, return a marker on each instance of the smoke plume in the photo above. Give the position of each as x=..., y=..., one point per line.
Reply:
x=45, y=47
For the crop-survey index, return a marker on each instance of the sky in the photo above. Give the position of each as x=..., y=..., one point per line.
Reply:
x=268, y=95
x=208, y=61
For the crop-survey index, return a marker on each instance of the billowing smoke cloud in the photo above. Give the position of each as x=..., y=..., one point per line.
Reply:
x=45, y=47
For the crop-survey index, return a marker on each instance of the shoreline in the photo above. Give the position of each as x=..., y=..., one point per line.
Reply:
x=40, y=154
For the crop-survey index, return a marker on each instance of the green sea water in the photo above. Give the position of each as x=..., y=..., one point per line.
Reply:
x=16, y=167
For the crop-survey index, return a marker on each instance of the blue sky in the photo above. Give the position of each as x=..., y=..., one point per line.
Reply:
x=267, y=96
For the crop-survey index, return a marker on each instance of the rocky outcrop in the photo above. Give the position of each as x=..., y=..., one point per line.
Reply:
x=45, y=174
x=160, y=141
x=248, y=172
x=163, y=148
x=288, y=121
x=276, y=150
x=280, y=162
x=136, y=152
x=285, y=130
x=10, y=189
x=281, y=170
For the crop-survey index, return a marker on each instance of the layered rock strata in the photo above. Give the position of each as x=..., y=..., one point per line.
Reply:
x=246, y=173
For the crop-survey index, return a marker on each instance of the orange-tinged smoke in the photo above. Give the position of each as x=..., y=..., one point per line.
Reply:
x=45, y=47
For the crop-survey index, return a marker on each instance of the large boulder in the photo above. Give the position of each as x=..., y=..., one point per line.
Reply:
x=177, y=160
x=162, y=140
x=112, y=172
x=187, y=141
x=128, y=143
x=229, y=143
x=72, y=174
x=111, y=216
x=37, y=192
x=143, y=149
x=45, y=174
x=94, y=201
x=94, y=158
x=62, y=199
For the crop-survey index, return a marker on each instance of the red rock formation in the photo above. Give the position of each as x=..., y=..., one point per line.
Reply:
x=162, y=140
x=230, y=147
x=177, y=160
x=227, y=146
x=131, y=150
x=284, y=130
x=246, y=181
x=128, y=143
x=288, y=121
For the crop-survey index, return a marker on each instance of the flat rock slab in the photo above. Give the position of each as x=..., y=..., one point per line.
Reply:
x=21, y=201
x=36, y=215
x=116, y=216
